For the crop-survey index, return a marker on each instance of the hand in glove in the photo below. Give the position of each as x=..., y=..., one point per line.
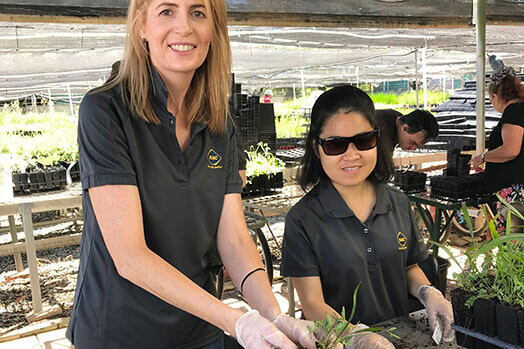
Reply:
x=256, y=332
x=438, y=309
x=368, y=340
x=296, y=330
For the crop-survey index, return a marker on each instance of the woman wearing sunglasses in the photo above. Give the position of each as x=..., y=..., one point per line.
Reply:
x=351, y=228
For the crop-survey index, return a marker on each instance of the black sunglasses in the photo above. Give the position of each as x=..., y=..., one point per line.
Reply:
x=339, y=145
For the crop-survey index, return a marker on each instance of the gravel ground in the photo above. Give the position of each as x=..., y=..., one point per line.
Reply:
x=58, y=269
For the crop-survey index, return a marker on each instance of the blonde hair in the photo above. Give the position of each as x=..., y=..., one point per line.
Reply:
x=207, y=97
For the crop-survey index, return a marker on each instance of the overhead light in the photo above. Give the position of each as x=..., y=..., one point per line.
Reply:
x=390, y=0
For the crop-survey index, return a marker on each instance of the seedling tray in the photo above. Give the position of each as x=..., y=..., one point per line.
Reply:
x=484, y=338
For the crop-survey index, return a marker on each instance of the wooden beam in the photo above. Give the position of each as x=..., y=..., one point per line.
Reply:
x=310, y=13
x=42, y=244
x=419, y=159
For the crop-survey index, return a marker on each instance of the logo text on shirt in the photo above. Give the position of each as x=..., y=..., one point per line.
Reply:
x=214, y=159
x=402, y=241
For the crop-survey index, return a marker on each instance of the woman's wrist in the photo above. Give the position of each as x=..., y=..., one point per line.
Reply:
x=483, y=156
x=230, y=321
x=271, y=313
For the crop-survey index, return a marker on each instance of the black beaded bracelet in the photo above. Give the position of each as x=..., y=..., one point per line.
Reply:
x=248, y=275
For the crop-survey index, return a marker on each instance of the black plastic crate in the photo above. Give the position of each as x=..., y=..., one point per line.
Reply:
x=410, y=181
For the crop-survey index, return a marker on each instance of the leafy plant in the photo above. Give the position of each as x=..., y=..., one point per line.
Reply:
x=335, y=329
x=291, y=125
x=407, y=98
x=495, y=268
x=260, y=161
x=37, y=137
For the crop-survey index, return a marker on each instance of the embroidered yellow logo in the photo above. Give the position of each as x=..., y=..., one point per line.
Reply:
x=402, y=241
x=214, y=159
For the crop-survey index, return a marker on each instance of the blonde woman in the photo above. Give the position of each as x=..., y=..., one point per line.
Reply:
x=160, y=180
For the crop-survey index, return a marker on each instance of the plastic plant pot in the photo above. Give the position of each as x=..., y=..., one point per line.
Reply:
x=485, y=322
x=463, y=316
x=507, y=324
x=521, y=326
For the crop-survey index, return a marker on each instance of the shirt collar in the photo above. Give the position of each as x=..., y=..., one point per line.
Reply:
x=158, y=89
x=160, y=96
x=335, y=206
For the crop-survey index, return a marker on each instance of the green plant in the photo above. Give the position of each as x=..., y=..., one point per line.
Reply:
x=260, y=161
x=495, y=268
x=42, y=137
x=407, y=98
x=291, y=125
x=335, y=329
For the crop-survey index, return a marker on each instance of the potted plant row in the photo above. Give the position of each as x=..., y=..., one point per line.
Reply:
x=39, y=156
x=490, y=294
x=37, y=178
x=264, y=171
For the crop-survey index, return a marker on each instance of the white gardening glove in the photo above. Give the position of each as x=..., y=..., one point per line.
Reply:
x=438, y=309
x=256, y=332
x=296, y=330
x=368, y=340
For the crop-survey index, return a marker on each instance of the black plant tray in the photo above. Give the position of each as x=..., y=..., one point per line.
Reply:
x=483, y=337
x=37, y=182
x=263, y=184
x=410, y=182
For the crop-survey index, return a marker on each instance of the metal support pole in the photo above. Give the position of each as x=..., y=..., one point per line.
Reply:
x=14, y=238
x=303, y=87
x=416, y=77
x=50, y=102
x=31, y=256
x=444, y=85
x=358, y=78
x=71, y=107
x=424, y=78
x=479, y=12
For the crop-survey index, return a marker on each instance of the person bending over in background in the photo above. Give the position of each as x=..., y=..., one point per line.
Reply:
x=351, y=228
x=410, y=131
x=160, y=181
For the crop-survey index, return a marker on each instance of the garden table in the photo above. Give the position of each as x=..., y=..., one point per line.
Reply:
x=436, y=226
x=25, y=205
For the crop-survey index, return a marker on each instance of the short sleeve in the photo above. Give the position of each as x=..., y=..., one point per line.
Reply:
x=234, y=182
x=103, y=146
x=417, y=249
x=298, y=257
x=514, y=114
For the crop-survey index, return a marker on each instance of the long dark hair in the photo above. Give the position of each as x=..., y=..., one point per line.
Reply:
x=344, y=99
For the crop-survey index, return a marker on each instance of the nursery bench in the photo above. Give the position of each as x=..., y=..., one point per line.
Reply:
x=442, y=207
x=26, y=205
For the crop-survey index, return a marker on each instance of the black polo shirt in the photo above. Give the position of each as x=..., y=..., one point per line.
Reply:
x=502, y=175
x=181, y=195
x=324, y=238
